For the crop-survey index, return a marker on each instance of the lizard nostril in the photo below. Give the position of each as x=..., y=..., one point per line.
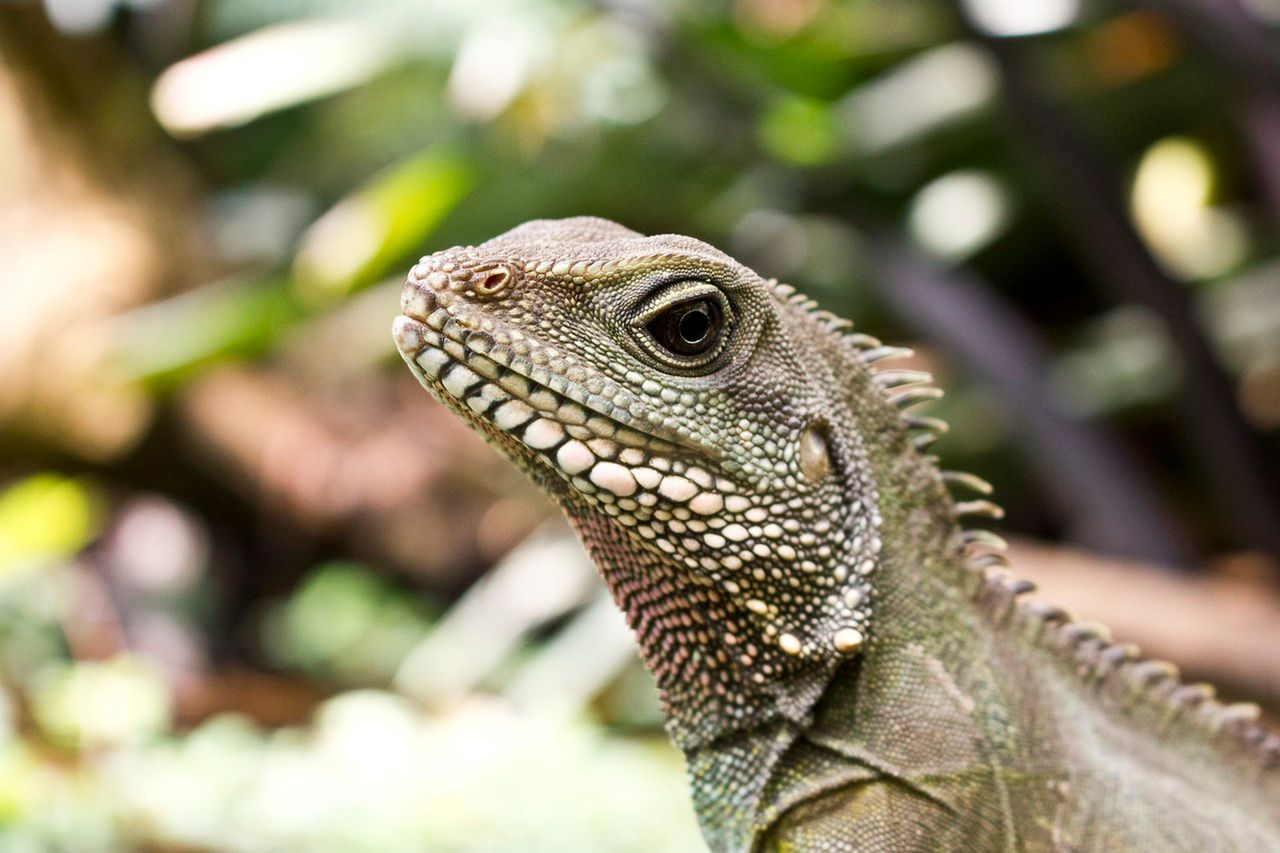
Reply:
x=493, y=282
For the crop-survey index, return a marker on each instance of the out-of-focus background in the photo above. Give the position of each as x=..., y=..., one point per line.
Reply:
x=259, y=592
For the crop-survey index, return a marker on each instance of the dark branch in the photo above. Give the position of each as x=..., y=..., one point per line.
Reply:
x=1090, y=479
x=1088, y=198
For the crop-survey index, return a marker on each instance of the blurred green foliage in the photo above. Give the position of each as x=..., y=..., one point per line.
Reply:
x=42, y=519
x=346, y=625
x=379, y=225
x=167, y=343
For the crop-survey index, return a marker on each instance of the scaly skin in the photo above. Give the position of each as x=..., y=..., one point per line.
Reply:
x=844, y=667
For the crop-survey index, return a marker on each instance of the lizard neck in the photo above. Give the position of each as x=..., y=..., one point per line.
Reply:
x=926, y=688
x=734, y=722
x=693, y=639
x=733, y=726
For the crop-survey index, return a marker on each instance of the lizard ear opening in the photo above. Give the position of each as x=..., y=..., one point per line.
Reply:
x=814, y=451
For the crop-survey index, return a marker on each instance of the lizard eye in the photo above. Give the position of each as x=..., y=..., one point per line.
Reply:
x=689, y=328
x=684, y=325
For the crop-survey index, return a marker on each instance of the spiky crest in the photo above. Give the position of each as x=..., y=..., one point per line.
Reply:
x=1115, y=672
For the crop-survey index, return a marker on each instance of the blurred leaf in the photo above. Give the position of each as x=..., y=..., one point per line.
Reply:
x=93, y=703
x=373, y=772
x=381, y=224
x=17, y=769
x=1125, y=359
x=345, y=622
x=165, y=342
x=799, y=131
x=43, y=518
x=271, y=69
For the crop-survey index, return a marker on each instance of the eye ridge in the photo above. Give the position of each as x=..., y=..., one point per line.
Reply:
x=691, y=328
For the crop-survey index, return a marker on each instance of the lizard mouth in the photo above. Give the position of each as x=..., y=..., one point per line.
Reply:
x=540, y=416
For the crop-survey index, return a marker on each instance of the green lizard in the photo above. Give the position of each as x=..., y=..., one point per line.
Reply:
x=844, y=666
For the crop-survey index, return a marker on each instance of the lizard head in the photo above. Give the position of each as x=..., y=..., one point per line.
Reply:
x=679, y=407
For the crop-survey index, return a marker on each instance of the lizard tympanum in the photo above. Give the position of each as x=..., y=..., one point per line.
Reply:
x=844, y=666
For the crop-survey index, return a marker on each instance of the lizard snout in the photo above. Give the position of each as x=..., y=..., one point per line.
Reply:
x=467, y=277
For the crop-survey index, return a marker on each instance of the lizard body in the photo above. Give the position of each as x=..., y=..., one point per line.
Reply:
x=844, y=666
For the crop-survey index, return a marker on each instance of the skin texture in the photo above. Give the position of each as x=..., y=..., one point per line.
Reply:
x=843, y=665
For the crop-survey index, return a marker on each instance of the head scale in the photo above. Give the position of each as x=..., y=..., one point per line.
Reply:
x=680, y=408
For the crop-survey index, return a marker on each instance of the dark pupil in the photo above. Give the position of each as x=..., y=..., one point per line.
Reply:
x=694, y=326
x=688, y=329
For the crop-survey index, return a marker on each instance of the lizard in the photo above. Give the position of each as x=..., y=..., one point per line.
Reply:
x=844, y=664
